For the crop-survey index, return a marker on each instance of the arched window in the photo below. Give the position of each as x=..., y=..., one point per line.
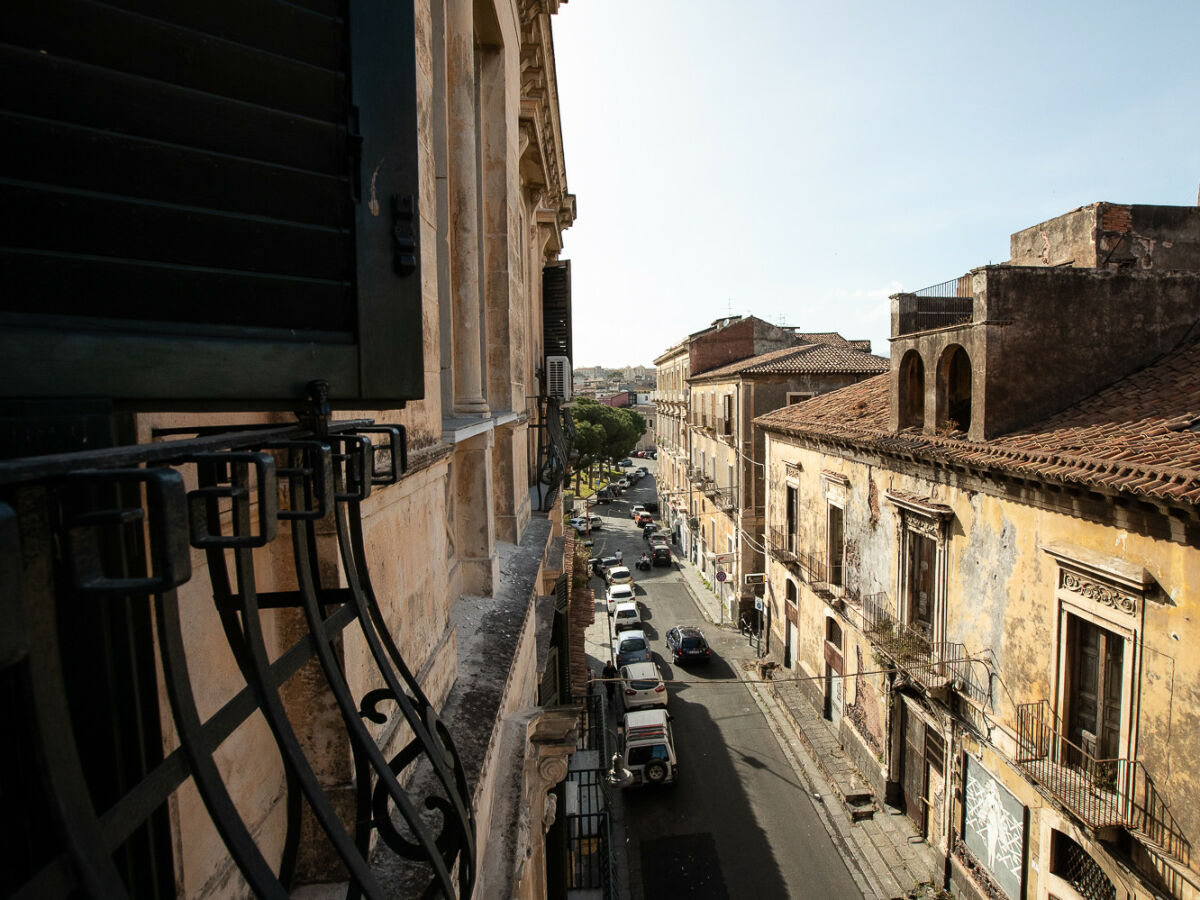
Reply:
x=954, y=389
x=912, y=390
x=791, y=592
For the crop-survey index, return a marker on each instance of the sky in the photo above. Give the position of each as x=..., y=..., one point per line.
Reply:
x=802, y=161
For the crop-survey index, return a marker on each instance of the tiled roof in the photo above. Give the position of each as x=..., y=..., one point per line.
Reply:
x=1135, y=436
x=808, y=359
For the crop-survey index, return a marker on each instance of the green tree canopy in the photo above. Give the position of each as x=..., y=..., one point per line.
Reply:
x=611, y=433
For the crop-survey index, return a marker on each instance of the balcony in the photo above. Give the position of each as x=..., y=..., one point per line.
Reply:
x=938, y=666
x=1100, y=792
x=782, y=546
x=724, y=499
x=940, y=306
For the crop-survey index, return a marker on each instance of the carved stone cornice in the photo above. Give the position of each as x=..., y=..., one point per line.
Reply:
x=1111, y=583
x=1103, y=594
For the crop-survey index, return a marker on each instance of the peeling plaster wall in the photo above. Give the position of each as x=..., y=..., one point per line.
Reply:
x=1002, y=605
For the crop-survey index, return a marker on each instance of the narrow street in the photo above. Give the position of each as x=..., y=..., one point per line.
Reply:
x=738, y=823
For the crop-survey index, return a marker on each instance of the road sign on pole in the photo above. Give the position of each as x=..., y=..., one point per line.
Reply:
x=721, y=576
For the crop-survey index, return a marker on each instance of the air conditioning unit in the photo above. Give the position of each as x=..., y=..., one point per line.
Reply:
x=558, y=378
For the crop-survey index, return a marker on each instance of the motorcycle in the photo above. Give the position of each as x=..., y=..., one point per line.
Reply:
x=644, y=563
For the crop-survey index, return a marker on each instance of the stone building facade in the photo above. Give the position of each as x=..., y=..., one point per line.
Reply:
x=726, y=494
x=365, y=229
x=982, y=565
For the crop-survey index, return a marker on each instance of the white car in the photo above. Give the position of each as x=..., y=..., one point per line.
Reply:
x=618, y=594
x=627, y=615
x=637, y=511
x=584, y=523
x=620, y=575
x=622, y=483
x=642, y=686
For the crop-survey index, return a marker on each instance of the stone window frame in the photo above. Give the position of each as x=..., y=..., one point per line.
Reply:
x=922, y=517
x=1110, y=593
x=794, y=397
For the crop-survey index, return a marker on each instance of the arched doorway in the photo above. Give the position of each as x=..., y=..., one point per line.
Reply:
x=954, y=389
x=911, y=390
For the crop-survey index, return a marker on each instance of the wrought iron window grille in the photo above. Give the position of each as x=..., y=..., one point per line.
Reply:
x=57, y=513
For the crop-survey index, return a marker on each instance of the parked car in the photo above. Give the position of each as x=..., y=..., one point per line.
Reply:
x=603, y=496
x=601, y=564
x=642, y=686
x=631, y=646
x=686, y=644
x=637, y=509
x=625, y=463
x=643, y=470
x=618, y=594
x=622, y=483
x=583, y=523
x=648, y=530
x=626, y=615
x=619, y=575
x=659, y=539
x=647, y=749
x=634, y=476
x=660, y=556
x=644, y=519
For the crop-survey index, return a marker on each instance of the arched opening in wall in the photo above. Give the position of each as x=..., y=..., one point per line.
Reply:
x=911, y=390
x=954, y=389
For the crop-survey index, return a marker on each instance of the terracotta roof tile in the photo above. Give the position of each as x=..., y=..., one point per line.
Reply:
x=808, y=359
x=1140, y=436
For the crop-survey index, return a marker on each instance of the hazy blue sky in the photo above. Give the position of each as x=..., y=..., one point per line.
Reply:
x=802, y=161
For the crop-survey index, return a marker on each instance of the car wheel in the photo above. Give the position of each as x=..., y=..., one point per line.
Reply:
x=656, y=772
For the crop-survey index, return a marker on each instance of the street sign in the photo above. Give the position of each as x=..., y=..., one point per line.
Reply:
x=758, y=604
x=756, y=578
x=721, y=576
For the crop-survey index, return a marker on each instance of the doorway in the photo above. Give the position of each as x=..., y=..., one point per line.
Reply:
x=1096, y=662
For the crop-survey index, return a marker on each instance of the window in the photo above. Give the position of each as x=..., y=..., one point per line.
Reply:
x=258, y=201
x=791, y=593
x=794, y=397
x=922, y=556
x=792, y=512
x=727, y=414
x=1100, y=601
x=837, y=546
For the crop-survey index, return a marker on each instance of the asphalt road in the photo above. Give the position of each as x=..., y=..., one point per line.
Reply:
x=738, y=823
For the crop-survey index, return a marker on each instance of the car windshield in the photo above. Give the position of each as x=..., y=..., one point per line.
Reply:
x=627, y=614
x=692, y=643
x=633, y=644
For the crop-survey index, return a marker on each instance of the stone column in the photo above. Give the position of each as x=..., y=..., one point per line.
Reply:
x=474, y=518
x=464, y=209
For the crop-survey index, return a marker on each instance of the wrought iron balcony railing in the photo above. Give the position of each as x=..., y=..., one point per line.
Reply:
x=725, y=499
x=1100, y=792
x=226, y=496
x=782, y=545
x=939, y=306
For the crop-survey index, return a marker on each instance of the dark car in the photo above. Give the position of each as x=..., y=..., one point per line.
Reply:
x=603, y=496
x=601, y=564
x=661, y=556
x=686, y=644
x=649, y=529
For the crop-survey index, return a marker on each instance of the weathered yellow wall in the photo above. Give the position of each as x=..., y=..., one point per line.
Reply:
x=1001, y=603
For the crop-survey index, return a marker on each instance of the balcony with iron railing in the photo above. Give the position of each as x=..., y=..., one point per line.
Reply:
x=935, y=665
x=1100, y=792
x=725, y=499
x=782, y=545
x=939, y=306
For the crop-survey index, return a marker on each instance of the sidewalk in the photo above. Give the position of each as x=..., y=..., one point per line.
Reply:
x=885, y=854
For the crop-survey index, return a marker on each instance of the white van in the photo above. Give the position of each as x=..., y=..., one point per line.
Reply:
x=647, y=754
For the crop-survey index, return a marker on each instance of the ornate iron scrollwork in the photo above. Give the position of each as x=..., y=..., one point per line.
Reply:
x=233, y=509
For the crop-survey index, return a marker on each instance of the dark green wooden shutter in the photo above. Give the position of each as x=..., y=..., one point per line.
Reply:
x=187, y=222
x=556, y=309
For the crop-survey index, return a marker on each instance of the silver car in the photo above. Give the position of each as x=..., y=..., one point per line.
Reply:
x=642, y=686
